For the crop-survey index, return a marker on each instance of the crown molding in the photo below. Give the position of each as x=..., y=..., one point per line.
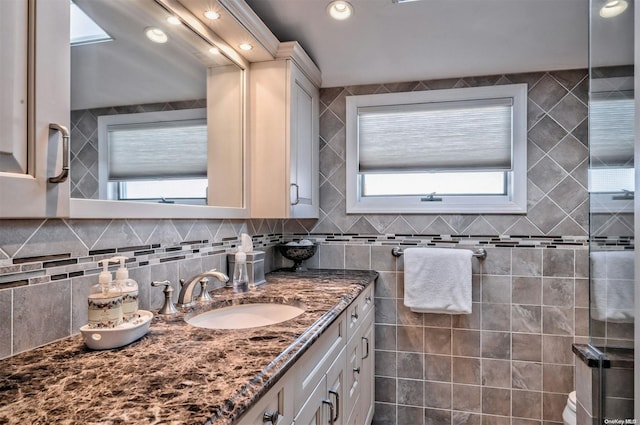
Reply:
x=252, y=23
x=294, y=51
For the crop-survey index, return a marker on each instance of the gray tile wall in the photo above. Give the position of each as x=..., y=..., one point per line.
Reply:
x=557, y=163
x=510, y=361
x=512, y=356
x=48, y=266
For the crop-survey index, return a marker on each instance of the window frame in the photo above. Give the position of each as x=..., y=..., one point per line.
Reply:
x=515, y=202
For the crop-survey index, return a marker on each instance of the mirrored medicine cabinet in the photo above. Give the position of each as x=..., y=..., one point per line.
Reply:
x=157, y=114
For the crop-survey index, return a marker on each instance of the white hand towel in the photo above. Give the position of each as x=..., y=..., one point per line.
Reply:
x=437, y=280
x=612, y=288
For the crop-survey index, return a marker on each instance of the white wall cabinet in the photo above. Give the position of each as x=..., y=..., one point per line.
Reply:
x=332, y=383
x=284, y=120
x=34, y=108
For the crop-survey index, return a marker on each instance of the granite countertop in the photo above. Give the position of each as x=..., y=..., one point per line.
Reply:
x=176, y=374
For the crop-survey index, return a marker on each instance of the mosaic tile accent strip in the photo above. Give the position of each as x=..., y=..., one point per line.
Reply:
x=407, y=240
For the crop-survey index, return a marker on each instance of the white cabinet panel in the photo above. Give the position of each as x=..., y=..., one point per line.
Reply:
x=13, y=85
x=332, y=383
x=284, y=138
x=41, y=36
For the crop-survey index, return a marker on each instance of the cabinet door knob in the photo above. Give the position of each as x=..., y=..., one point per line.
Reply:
x=354, y=315
x=270, y=417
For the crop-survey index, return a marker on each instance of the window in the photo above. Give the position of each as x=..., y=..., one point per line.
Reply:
x=154, y=156
x=440, y=151
x=611, y=147
x=85, y=30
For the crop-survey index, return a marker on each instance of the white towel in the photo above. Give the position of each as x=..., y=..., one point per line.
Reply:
x=437, y=280
x=612, y=277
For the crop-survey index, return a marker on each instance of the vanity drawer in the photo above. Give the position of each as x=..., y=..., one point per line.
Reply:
x=276, y=404
x=313, y=365
x=358, y=310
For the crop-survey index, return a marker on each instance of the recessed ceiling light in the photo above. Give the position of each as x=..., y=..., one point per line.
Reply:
x=613, y=8
x=211, y=14
x=174, y=20
x=156, y=35
x=214, y=51
x=246, y=46
x=340, y=9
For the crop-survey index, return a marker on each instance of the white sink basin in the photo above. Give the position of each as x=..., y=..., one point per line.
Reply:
x=245, y=316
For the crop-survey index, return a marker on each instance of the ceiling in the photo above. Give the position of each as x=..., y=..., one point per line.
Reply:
x=386, y=42
x=131, y=70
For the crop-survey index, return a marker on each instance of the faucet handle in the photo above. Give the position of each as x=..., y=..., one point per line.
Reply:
x=204, y=294
x=168, y=307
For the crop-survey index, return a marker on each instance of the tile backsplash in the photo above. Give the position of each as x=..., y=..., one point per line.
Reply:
x=557, y=161
x=48, y=266
x=510, y=358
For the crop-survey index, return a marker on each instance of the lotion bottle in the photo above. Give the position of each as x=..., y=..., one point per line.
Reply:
x=105, y=301
x=129, y=288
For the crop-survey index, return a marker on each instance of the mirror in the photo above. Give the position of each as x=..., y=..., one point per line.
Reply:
x=156, y=110
x=612, y=175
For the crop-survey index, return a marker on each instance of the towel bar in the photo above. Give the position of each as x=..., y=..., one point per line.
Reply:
x=479, y=253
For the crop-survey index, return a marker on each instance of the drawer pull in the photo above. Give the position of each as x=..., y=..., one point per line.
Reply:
x=331, y=420
x=297, y=201
x=335, y=393
x=356, y=369
x=65, y=153
x=367, y=341
x=354, y=315
x=368, y=299
x=270, y=417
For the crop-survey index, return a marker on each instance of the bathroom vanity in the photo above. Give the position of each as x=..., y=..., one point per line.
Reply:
x=317, y=364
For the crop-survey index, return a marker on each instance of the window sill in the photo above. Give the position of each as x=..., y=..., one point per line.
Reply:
x=415, y=206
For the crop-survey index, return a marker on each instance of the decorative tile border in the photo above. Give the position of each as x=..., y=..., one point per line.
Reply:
x=42, y=269
x=29, y=271
x=446, y=240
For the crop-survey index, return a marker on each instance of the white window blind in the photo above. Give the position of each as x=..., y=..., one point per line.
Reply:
x=467, y=135
x=461, y=150
x=611, y=128
x=170, y=149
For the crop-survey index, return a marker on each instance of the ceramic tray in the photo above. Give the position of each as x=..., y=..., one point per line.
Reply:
x=126, y=333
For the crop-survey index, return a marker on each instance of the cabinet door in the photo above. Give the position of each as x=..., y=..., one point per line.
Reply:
x=315, y=410
x=34, y=107
x=336, y=388
x=274, y=408
x=367, y=370
x=353, y=375
x=304, y=149
x=359, y=391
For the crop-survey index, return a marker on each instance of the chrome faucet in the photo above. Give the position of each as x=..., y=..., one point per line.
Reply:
x=185, y=298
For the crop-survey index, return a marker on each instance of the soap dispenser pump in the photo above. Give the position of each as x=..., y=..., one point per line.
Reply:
x=129, y=288
x=105, y=301
x=240, y=274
